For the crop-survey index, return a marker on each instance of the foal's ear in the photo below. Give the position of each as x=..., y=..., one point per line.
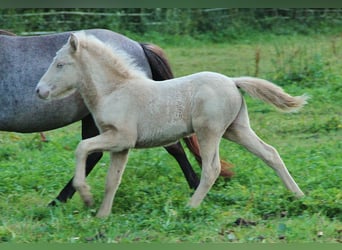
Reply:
x=74, y=43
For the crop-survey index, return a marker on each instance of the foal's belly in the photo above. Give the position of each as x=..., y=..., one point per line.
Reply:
x=155, y=136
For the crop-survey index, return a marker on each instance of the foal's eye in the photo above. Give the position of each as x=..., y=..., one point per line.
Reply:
x=59, y=65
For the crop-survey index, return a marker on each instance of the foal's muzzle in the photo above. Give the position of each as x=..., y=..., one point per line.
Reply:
x=42, y=92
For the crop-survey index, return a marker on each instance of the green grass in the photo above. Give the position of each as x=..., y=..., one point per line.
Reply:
x=150, y=203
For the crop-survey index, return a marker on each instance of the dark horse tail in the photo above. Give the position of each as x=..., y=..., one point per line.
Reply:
x=161, y=70
x=160, y=67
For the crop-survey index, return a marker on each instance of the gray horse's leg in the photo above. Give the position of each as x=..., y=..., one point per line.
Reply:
x=241, y=133
x=177, y=151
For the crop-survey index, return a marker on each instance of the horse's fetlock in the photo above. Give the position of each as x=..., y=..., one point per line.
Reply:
x=79, y=185
x=84, y=191
x=194, y=202
x=102, y=213
x=88, y=200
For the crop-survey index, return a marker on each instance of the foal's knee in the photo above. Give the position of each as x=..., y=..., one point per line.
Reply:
x=272, y=158
x=81, y=150
x=211, y=174
x=216, y=170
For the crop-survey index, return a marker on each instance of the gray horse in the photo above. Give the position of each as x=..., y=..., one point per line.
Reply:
x=23, y=60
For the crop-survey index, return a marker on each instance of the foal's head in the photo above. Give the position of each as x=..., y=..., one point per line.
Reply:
x=63, y=75
x=84, y=57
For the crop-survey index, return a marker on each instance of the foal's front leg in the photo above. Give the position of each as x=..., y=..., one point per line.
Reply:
x=115, y=172
x=102, y=142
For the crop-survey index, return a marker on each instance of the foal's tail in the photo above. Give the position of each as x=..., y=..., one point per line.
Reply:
x=270, y=93
x=161, y=70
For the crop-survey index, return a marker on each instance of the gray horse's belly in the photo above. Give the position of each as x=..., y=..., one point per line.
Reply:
x=30, y=115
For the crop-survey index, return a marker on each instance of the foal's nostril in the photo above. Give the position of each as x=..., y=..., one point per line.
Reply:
x=42, y=92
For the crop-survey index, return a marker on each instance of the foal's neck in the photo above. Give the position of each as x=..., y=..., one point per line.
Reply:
x=101, y=76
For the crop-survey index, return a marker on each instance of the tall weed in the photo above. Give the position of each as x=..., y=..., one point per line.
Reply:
x=298, y=65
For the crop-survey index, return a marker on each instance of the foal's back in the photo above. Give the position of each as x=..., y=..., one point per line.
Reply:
x=175, y=108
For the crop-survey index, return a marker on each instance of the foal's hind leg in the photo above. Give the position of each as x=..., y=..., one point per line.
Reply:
x=241, y=133
x=209, y=147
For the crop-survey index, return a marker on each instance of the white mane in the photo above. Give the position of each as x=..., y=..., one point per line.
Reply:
x=119, y=60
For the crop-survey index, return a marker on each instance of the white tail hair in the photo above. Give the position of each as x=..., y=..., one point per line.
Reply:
x=270, y=93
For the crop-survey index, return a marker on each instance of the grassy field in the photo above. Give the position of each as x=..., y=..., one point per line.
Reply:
x=150, y=204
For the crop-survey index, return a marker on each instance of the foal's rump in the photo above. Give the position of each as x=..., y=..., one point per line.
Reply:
x=219, y=101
